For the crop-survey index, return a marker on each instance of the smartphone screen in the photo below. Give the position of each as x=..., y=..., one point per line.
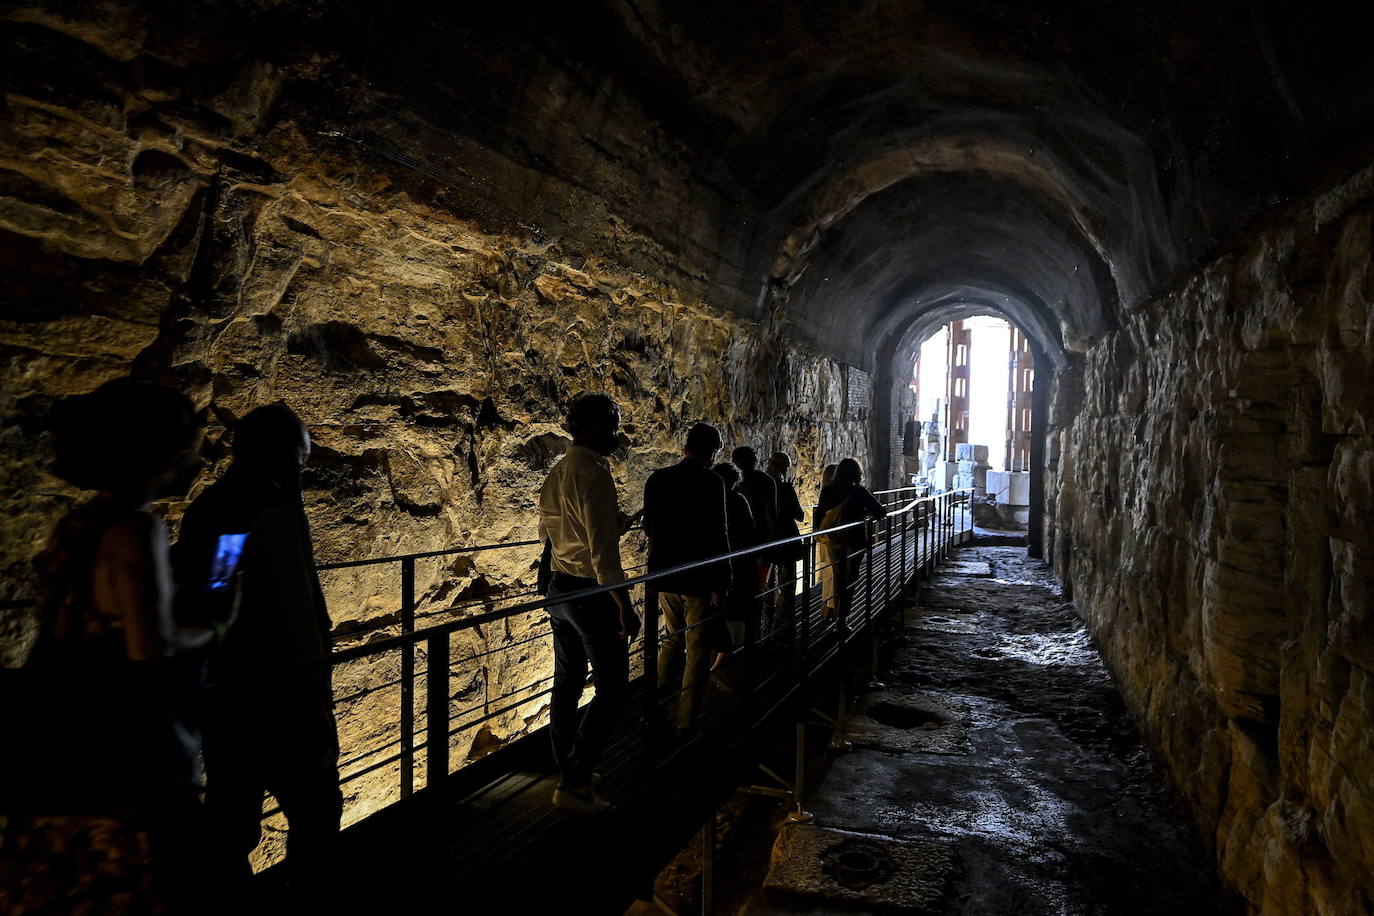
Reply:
x=228, y=549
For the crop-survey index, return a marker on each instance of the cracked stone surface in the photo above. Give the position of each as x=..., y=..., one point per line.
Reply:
x=810, y=862
x=908, y=720
x=1056, y=807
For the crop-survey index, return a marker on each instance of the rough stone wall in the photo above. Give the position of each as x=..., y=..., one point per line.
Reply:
x=234, y=244
x=1210, y=495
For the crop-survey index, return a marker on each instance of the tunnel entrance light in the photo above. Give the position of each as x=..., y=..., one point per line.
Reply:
x=971, y=412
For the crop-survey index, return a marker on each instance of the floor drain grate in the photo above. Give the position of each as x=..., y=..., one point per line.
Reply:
x=857, y=863
x=908, y=876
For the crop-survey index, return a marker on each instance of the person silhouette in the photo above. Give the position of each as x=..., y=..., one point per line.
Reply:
x=107, y=760
x=762, y=493
x=245, y=547
x=685, y=521
x=844, y=500
x=741, y=603
x=790, y=513
x=580, y=518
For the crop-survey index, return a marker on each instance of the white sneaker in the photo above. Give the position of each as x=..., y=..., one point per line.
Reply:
x=585, y=800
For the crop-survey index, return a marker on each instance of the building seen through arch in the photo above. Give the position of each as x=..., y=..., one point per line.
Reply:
x=969, y=415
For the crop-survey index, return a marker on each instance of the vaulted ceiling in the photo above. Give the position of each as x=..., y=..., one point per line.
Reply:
x=847, y=167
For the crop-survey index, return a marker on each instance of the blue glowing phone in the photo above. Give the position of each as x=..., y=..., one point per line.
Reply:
x=228, y=549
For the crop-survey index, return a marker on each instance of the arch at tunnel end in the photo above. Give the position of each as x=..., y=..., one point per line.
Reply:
x=895, y=363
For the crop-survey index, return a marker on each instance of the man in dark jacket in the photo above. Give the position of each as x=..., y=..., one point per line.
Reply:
x=684, y=517
x=741, y=604
x=789, y=514
x=268, y=718
x=762, y=493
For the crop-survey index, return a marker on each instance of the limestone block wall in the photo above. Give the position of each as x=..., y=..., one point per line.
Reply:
x=202, y=224
x=1211, y=489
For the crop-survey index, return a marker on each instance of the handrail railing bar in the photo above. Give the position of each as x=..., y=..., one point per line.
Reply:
x=479, y=619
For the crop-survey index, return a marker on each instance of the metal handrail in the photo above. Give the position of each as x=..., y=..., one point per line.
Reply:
x=15, y=604
x=436, y=636
x=416, y=730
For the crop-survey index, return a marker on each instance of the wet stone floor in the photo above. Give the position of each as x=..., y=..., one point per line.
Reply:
x=994, y=772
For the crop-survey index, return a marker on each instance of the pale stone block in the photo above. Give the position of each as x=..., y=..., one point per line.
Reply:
x=969, y=451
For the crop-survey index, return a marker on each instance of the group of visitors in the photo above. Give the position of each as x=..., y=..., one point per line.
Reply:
x=171, y=687
x=694, y=513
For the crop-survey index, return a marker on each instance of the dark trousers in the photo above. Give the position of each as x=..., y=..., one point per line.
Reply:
x=778, y=609
x=285, y=742
x=584, y=631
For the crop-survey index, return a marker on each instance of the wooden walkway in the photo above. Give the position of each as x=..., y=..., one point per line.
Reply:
x=489, y=840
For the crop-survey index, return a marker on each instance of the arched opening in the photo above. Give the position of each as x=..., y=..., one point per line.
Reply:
x=965, y=418
x=1044, y=354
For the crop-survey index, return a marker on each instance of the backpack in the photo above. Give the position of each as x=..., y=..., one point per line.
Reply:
x=856, y=538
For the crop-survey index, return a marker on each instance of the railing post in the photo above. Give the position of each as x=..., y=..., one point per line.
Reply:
x=953, y=523
x=649, y=738
x=887, y=560
x=918, y=559
x=436, y=706
x=872, y=606
x=844, y=615
x=651, y=718
x=753, y=629
x=407, y=723
x=798, y=814
x=708, y=866
x=968, y=516
x=802, y=648
x=946, y=521
x=905, y=579
x=927, y=525
x=871, y=527
x=937, y=532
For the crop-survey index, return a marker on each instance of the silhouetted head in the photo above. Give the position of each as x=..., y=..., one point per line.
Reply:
x=127, y=437
x=779, y=464
x=272, y=439
x=744, y=458
x=828, y=475
x=728, y=473
x=848, y=472
x=703, y=442
x=593, y=420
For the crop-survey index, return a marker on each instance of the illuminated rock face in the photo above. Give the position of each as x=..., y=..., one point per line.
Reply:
x=1212, y=491
x=241, y=252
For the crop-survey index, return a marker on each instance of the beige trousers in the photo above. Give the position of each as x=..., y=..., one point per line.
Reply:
x=679, y=612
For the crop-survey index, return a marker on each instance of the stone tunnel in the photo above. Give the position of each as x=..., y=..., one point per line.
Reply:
x=426, y=227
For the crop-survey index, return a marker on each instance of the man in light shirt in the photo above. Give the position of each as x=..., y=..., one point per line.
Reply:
x=580, y=517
